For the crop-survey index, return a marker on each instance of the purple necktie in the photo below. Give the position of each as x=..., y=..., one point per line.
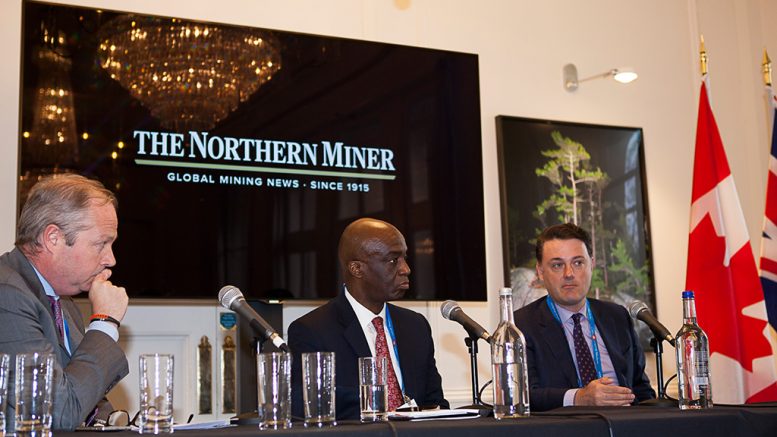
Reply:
x=585, y=364
x=56, y=306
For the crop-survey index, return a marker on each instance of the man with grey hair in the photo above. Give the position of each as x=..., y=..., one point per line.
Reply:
x=64, y=244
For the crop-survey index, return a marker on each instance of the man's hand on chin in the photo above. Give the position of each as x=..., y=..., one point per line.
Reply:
x=107, y=298
x=602, y=392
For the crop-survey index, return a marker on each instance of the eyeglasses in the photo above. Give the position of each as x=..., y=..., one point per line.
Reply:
x=117, y=418
x=121, y=418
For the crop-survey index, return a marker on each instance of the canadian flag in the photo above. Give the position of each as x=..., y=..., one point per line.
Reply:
x=722, y=272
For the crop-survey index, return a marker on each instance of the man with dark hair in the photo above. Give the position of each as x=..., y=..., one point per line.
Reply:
x=581, y=351
x=358, y=323
x=64, y=244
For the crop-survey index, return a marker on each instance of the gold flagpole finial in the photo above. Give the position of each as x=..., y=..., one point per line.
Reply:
x=703, y=57
x=766, y=69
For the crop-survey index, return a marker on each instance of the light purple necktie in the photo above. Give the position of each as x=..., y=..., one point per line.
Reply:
x=57, y=308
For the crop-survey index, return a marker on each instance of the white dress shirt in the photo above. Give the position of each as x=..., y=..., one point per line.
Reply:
x=365, y=317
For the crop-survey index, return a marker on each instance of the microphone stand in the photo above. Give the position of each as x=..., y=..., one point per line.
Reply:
x=661, y=399
x=472, y=347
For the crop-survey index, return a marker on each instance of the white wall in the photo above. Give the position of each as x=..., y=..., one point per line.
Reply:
x=523, y=45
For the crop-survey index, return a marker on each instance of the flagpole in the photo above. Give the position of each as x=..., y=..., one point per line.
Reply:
x=703, y=67
x=703, y=58
x=766, y=71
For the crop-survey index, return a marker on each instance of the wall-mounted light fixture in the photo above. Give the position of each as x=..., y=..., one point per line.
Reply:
x=571, y=82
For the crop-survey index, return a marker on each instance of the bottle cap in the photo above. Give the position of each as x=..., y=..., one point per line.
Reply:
x=506, y=292
x=687, y=294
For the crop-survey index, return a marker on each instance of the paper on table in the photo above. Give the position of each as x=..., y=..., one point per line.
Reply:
x=464, y=413
x=107, y=428
x=215, y=424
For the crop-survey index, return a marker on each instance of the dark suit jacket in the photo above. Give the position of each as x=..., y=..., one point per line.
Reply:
x=551, y=367
x=27, y=325
x=334, y=327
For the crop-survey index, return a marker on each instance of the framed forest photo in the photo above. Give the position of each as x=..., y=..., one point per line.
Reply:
x=554, y=172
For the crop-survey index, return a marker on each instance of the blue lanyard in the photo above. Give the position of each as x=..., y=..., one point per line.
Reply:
x=67, y=334
x=390, y=327
x=592, y=325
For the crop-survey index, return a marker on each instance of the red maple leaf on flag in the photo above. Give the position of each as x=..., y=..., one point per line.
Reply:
x=722, y=293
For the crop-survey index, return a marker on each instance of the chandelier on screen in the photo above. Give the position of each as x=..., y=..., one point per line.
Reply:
x=189, y=75
x=52, y=138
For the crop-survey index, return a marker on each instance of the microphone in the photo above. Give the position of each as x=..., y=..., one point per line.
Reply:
x=640, y=311
x=451, y=310
x=232, y=298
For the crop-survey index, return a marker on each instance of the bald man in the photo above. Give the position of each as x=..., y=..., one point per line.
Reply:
x=372, y=255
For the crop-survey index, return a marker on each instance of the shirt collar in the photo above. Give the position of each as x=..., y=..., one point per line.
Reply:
x=564, y=314
x=46, y=286
x=364, y=315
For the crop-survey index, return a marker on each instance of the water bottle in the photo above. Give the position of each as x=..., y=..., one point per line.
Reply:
x=508, y=364
x=693, y=356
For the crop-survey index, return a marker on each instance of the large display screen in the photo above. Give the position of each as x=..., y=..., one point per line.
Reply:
x=238, y=155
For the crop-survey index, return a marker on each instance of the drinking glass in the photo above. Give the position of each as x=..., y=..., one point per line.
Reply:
x=5, y=368
x=373, y=396
x=33, y=391
x=156, y=394
x=274, y=390
x=318, y=388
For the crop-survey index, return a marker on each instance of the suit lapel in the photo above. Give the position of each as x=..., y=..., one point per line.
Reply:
x=609, y=332
x=72, y=316
x=352, y=331
x=553, y=334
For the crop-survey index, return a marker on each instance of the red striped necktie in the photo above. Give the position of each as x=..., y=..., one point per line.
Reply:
x=381, y=350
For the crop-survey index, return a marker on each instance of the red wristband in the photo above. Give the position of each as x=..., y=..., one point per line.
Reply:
x=104, y=318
